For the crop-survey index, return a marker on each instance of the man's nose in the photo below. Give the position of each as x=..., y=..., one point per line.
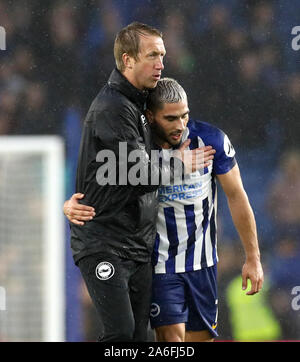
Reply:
x=180, y=124
x=160, y=64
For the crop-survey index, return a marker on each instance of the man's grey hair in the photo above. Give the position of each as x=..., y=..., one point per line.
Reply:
x=168, y=90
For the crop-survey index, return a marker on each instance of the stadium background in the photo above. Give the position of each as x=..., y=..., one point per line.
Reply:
x=235, y=60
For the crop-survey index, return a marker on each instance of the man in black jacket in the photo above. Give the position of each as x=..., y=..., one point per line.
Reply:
x=113, y=251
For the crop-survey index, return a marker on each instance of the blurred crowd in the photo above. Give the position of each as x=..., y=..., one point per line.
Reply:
x=234, y=59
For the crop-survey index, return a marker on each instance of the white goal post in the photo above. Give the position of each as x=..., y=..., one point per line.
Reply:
x=32, y=238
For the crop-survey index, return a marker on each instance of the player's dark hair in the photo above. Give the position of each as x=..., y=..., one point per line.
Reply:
x=168, y=90
x=128, y=41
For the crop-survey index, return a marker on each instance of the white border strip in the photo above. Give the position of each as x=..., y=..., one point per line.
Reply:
x=53, y=228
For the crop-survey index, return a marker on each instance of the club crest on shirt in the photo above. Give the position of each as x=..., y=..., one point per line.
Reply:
x=228, y=148
x=104, y=270
x=154, y=310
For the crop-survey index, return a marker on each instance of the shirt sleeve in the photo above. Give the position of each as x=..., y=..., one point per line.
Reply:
x=224, y=159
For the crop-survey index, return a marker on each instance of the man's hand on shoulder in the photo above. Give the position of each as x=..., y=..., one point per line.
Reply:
x=195, y=159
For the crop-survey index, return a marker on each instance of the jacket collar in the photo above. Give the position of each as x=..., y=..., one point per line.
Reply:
x=120, y=83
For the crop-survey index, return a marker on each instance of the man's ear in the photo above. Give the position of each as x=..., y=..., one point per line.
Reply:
x=149, y=116
x=127, y=60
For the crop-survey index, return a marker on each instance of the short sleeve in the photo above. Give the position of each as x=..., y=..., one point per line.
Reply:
x=224, y=159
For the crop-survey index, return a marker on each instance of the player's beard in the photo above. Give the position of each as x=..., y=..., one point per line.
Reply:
x=163, y=137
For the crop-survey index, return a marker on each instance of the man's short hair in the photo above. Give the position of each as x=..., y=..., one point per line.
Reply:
x=128, y=41
x=168, y=90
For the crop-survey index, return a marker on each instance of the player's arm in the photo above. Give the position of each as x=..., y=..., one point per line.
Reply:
x=244, y=221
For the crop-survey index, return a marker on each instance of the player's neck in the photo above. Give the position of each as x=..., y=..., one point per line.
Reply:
x=162, y=143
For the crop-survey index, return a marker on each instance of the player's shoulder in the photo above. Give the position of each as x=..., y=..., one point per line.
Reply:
x=198, y=127
x=213, y=136
x=209, y=133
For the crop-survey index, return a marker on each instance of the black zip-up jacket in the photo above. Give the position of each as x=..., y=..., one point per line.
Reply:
x=125, y=221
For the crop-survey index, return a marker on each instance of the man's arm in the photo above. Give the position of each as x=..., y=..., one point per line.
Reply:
x=78, y=213
x=244, y=221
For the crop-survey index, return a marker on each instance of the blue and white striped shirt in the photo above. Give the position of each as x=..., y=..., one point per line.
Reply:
x=186, y=236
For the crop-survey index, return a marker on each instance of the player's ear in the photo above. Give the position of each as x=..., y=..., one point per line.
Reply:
x=149, y=116
x=127, y=60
